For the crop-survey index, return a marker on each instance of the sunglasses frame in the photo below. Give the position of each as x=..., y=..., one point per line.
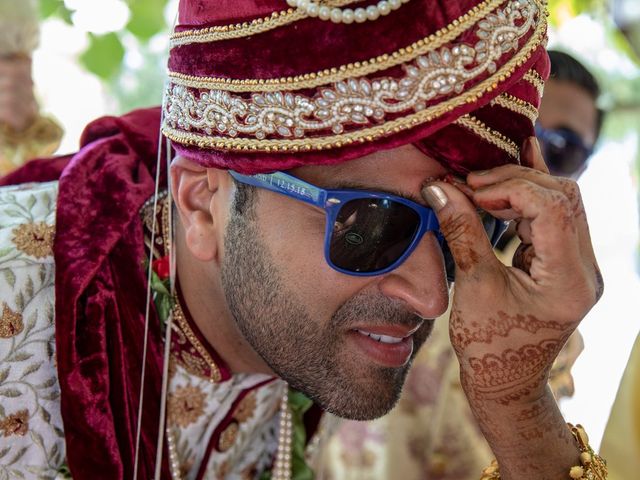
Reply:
x=332, y=200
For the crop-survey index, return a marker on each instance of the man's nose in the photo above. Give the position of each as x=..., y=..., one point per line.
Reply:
x=420, y=281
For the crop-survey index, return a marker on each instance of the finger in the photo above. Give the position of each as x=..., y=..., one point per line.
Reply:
x=523, y=230
x=560, y=184
x=553, y=232
x=523, y=257
x=531, y=154
x=461, y=227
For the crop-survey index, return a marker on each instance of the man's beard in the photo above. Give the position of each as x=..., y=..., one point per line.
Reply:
x=311, y=357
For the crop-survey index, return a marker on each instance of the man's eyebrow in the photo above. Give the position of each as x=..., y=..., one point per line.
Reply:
x=360, y=186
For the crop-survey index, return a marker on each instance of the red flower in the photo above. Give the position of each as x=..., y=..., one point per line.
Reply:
x=161, y=267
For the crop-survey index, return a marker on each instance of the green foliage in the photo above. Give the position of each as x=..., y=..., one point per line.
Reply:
x=104, y=55
x=57, y=8
x=560, y=10
x=147, y=18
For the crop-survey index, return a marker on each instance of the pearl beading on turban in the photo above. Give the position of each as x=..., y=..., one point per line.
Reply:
x=347, y=15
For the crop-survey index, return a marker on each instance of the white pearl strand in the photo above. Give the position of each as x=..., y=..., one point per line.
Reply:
x=282, y=463
x=347, y=15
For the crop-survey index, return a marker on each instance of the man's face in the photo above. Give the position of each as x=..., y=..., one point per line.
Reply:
x=345, y=341
x=566, y=105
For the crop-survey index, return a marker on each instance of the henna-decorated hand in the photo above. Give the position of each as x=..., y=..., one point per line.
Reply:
x=509, y=323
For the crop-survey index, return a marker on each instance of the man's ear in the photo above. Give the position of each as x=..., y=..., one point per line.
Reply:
x=194, y=189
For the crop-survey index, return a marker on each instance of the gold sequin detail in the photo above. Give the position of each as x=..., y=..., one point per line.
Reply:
x=245, y=29
x=492, y=136
x=185, y=405
x=34, y=239
x=356, y=69
x=15, y=424
x=246, y=408
x=178, y=316
x=192, y=364
x=536, y=80
x=10, y=322
x=517, y=105
x=228, y=437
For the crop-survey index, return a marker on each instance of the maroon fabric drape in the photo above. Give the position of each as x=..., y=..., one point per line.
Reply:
x=100, y=295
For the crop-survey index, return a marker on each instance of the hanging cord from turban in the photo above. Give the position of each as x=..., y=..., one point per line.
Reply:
x=169, y=321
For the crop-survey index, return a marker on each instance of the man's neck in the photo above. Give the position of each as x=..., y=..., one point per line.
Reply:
x=204, y=299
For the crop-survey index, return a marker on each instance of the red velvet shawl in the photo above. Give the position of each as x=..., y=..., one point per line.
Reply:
x=100, y=295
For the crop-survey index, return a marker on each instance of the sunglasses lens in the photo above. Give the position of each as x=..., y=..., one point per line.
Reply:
x=564, y=153
x=370, y=234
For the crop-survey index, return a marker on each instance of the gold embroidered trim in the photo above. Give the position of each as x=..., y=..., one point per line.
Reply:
x=186, y=405
x=245, y=29
x=228, y=437
x=536, y=80
x=490, y=135
x=178, y=315
x=15, y=424
x=517, y=105
x=356, y=69
x=11, y=323
x=371, y=133
x=34, y=239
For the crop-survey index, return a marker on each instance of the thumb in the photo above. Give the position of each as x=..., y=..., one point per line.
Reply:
x=461, y=227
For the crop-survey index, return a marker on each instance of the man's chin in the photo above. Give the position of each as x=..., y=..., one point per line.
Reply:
x=352, y=400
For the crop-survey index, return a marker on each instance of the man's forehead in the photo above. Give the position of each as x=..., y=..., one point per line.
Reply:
x=400, y=171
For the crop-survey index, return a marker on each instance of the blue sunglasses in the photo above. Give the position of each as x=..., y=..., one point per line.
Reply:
x=367, y=233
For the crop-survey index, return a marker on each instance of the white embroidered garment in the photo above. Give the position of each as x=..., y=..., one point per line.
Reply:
x=31, y=437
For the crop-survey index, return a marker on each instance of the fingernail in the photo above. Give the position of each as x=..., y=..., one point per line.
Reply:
x=481, y=172
x=435, y=197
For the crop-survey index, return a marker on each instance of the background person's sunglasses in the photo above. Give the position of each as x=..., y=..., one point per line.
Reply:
x=563, y=150
x=367, y=233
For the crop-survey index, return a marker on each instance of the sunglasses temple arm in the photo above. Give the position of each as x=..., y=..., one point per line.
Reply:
x=285, y=184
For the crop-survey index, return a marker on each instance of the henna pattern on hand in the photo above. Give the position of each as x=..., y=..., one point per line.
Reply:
x=501, y=326
x=454, y=230
x=513, y=374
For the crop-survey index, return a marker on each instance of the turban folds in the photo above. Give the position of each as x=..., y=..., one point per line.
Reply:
x=258, y=86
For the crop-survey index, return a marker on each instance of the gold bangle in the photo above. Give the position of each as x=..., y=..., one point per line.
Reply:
x=592, y=466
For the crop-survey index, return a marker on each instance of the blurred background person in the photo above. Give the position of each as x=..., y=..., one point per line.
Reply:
x=24, y=133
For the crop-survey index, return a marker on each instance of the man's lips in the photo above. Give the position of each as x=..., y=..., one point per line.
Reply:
x=386, y=345
x=391, y=330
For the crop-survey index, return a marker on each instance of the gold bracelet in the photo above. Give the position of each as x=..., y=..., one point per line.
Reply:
x=592, y=466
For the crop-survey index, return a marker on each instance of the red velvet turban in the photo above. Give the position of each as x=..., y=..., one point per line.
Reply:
x=256, y=85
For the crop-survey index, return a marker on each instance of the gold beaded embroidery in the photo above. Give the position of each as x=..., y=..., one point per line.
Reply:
x=366, y=134
x=15, y=424
x=34, y=239
x=536, y=80
x=492, y=136
x=356, y=69
x=245, y=29
x=228, y=437
x=181, y=323
x=517, y=105
x=11, y=323
x=288, y=115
